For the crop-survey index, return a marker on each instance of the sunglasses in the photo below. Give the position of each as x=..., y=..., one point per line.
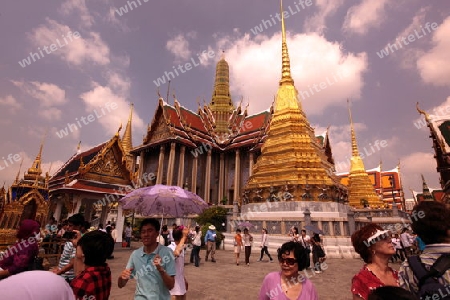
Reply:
x=288, y=260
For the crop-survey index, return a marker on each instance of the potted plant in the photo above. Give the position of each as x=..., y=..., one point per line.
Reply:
x=224, y=200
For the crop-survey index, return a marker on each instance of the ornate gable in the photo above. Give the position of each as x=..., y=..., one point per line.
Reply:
x=160, y=128
x=108, y=165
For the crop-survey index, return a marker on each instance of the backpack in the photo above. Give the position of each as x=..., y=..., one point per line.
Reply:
x=429, y=286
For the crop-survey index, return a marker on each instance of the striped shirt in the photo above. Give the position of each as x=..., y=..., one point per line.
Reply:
x=68, y=253
x=431, y=253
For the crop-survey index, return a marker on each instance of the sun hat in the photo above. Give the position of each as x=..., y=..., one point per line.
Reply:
x=212, y=227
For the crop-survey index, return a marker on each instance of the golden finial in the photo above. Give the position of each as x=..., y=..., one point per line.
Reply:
x=157, y=91
x=118, y=130
x=422, y=111
x=18, y=173
x=285, y=62
x=355, y=151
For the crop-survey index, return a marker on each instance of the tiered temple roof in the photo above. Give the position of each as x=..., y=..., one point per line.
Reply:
x=99, y=170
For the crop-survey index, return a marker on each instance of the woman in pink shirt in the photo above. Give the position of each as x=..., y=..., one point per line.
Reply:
x=289, y=283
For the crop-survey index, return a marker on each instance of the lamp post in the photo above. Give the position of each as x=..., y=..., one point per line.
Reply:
x=394, y=203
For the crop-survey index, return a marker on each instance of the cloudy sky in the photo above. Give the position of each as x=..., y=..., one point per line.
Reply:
x=82, y=63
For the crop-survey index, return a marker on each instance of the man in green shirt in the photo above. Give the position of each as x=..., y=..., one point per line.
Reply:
x=152, y=265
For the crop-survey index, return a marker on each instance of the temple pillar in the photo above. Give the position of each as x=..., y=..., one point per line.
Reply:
x=194, y=175
x=180, y=178
x=237, y=170
x=159, y=175
x=120, y=223
x=103, y=215
x=351, y=222
x=207, y=177
x=88, y=210
x=141, y=165
x=58, y=209
x=171, y=164
x=341, y=226
x=330, y=225
x=250, y=167
x=77, y=200
x=221, y=177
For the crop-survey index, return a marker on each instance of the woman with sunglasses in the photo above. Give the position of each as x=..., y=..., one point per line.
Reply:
x=375, y=247
x=289, y=283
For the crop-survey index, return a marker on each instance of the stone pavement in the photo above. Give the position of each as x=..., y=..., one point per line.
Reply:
x=224, y=280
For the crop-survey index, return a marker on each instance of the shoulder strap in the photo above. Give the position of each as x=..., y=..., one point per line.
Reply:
x=440, y=266
x=418, y=268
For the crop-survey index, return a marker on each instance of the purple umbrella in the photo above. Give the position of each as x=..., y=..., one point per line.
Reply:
x=246, y=224
x=163, y=200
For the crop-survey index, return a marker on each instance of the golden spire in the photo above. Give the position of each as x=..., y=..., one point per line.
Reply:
x=221, y=104
x=127, y=144
x=355, y=151
x=290, y=152
x=285, y=62
x=79, y=147
x=36, y=167
x=360, y=188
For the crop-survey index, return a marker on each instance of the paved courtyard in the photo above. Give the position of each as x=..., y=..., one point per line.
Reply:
x=224, y=280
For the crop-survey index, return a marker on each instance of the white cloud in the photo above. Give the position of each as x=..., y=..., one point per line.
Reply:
x=364, y=16
x=118, y=83
x=50, y=113
x=48, y=93
x=408, y=55
x=11, y=103
x=317, y=23
x=314, y=60
x=179, y=46
x=73, y=7
x=416, y=163
x=89, y=48
x=433, y=65
x=96, y=101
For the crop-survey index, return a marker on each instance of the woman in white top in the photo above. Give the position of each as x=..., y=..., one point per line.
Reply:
x=295, y=236
x=264, y=244
x=178, y=292
x=248, y=239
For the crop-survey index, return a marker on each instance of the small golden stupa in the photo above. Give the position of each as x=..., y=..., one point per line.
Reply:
x=360, y=189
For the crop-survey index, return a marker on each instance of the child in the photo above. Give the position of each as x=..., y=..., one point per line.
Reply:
x=95, y=280
x=237, y=245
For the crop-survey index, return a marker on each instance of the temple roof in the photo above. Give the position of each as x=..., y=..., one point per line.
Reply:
x=100, y=169
x=192, y=129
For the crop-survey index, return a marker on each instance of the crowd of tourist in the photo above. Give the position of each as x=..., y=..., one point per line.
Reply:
x=83, y=271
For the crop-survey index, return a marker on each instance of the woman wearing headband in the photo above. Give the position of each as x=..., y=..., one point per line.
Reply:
x=375, y=247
